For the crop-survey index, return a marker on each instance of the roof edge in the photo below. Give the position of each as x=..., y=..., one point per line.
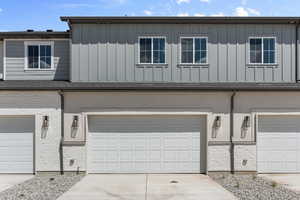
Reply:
x=178, y=20
x=34, y=34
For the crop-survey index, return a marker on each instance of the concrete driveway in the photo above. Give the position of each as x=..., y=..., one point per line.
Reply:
x=290, y=181
x=7, y=181
x=147, y=187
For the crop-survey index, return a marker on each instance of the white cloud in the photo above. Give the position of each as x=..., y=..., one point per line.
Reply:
x=241, y=11
x=183, y=14
x=253, y=11
x=199, y=14
x=220, y=14
x=205, y=1
x=148, y=12
x=182, y=1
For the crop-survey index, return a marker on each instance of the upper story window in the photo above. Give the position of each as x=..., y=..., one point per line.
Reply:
x=152, y=50
x=193, y=50
x=262, y=50
x=39, y=55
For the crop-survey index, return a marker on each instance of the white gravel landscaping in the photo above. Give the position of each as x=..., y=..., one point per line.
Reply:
x=41, y=187
x=252, y=187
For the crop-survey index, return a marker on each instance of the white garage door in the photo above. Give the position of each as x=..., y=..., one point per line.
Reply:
x=16, y=144
x=146, y=144
x=278, y=144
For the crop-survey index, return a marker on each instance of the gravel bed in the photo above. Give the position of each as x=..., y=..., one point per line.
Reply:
x=252, y=187
x=41, y=187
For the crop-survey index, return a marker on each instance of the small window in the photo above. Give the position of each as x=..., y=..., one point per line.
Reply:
x=194, y=50
x=39, y=56
x=262, y=50
x=152, y=50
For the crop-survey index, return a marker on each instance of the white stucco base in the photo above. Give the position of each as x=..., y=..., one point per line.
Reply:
x=218, y=158
x=74, y=158
x=245, y=157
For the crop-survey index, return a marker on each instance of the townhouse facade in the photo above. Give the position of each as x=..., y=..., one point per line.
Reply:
x=152, y=95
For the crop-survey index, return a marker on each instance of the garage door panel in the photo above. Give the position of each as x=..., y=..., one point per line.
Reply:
x=278, y=144
x=16, y=144
x=146, y=144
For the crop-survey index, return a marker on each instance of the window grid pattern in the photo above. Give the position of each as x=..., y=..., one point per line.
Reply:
x=39, y=57
x=262, y=50
x=152, y=50
x=194, y=50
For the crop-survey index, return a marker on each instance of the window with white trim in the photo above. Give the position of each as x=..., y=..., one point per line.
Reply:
x=262, y=50
x=152, y=50
x=39, y=55
x=193, y=50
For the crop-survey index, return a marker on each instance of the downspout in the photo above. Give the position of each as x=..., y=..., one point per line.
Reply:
x=296, y=52
x=61, y=154
x=232, y=132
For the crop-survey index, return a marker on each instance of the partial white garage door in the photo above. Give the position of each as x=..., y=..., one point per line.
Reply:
x=278, y=144
x=146, y=144
x=16, y=144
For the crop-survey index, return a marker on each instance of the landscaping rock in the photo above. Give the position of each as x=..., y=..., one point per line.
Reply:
x=42, y=187
x=252, y=187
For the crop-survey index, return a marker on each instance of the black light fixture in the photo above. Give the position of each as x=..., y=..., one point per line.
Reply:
x=75, y=122
x=216, y=126
x=45, y=124
x=246, y=122
x=218, y=122
x=245, y=126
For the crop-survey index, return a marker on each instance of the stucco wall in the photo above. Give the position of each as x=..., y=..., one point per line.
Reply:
x=218, y=158
x=245, y=158
x=252, y=104
x=79, y=103
x=38, y=104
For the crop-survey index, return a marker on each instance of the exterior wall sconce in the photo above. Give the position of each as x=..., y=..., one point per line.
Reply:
x=45, y=124
x=74, y=127
x=217, y=122
x=245, y=126
x=246, y=122
x=216, y=126
x=75, y=122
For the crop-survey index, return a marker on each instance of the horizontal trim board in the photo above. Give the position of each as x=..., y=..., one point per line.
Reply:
x=101, y=86
x=74, y=143
x=218, y=143
x=181, y=20
x=236, y=143
x=33, y=35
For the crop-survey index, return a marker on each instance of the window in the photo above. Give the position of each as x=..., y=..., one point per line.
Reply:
x=194, y=50
x=262, y=50
x=152, y=50
x=39, y=55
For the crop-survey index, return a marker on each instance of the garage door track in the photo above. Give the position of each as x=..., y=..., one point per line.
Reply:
x=147, y=187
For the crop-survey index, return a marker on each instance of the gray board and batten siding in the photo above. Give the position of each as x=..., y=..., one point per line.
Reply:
x=15, y=62
x=109, y=53
x=1, y=59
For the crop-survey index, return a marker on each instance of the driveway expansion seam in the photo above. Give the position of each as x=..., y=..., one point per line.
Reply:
x=146, y=192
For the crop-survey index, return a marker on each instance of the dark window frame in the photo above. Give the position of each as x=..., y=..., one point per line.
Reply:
x=40, y=58
x=152, y=50
x=194, y=38
x=263, y=51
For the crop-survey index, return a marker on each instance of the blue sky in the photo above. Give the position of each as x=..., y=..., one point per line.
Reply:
x=44, y=14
